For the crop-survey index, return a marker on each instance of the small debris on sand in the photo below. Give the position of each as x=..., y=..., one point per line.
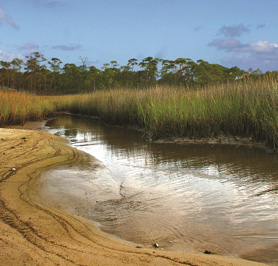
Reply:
x=207, y=252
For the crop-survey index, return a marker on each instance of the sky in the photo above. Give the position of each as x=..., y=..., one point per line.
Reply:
x=241, y=33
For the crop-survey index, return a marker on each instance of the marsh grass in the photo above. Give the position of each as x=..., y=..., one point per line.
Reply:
x=17, y=108
x=247, y=109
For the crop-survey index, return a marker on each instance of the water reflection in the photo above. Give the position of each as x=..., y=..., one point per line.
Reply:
x=185, y=197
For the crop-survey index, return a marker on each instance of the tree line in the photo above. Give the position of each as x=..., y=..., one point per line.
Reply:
x=41, y=76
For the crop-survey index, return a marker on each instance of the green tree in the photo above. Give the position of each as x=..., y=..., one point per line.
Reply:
x=167, y=72
x=93, y=77
x=70, y=80
x=235, y=73
x=5, y=73
x=16, y=67
x=132, y=62
x=55, y=66
x=83, y=75
x=33, y=67
x=150, y=67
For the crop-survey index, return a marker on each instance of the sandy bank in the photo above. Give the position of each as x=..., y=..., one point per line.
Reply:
x=32, y=234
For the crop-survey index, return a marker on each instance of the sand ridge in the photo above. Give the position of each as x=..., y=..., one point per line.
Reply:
x=33, y=234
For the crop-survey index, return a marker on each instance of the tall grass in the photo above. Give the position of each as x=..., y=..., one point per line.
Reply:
x=17, y=108
x=247, y=108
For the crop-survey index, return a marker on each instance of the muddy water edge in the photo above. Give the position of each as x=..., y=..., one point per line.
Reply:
x=191, y=197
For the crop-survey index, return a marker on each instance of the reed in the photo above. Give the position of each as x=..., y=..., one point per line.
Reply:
x=247, y=109
x=17, y=108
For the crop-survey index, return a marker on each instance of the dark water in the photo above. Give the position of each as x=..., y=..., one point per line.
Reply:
x=188, y=198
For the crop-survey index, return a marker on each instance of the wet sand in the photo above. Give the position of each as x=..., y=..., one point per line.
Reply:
x=33, y=233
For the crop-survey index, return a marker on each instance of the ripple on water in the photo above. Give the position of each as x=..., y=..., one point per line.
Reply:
x=184, y=197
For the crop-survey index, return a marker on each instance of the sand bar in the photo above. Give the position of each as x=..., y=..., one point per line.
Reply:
x=33, y=234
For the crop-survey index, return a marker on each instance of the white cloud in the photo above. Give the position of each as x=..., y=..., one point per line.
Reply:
x=263, y=47
x=7, y=19
x=260, y=54
x=233, y=45
x=8, y=57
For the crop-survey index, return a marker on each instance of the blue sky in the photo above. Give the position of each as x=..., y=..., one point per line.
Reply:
x=241, y=33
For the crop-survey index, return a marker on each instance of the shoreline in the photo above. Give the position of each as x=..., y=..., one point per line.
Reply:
x=221, y=140
x=217, y=140
x=34, y=234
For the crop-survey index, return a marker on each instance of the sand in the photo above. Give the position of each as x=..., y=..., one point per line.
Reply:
x=34, y=234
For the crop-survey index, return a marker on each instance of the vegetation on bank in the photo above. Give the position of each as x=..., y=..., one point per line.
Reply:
x=246, y=108
x=17, y=108
x=50, y=77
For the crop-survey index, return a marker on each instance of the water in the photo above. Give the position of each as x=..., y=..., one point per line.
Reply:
x=190, y=198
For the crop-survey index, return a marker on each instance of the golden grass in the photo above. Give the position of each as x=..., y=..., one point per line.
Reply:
x=16, y=108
